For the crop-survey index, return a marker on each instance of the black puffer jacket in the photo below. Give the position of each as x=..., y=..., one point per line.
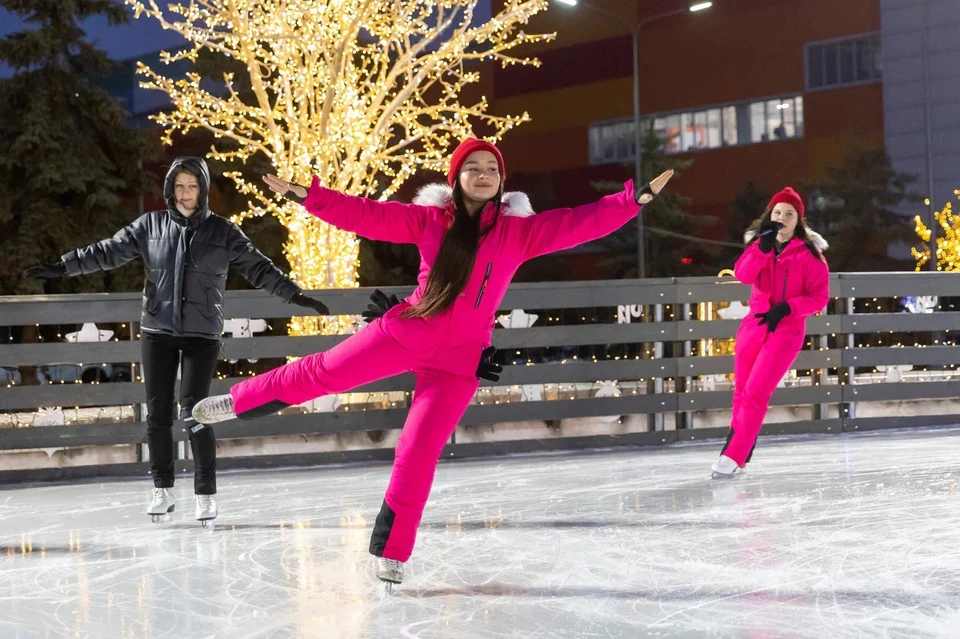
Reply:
x=186, y=259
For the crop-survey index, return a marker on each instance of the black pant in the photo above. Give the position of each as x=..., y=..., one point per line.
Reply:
x=161, y=358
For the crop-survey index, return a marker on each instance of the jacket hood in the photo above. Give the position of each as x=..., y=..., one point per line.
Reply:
x=515, y=204
x=198, y=167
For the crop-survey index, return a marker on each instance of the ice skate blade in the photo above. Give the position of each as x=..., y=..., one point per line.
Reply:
x=157, y=517
x=723, y=476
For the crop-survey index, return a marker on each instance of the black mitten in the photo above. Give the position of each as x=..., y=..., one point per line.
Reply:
x=308, y=302
x=768, y=235
x=381, y=304
x=772, y=317
x=487, y=369
x=46, y=270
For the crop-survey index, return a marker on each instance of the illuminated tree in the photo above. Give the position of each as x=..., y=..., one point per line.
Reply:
x=362, y=93
x=948, y=240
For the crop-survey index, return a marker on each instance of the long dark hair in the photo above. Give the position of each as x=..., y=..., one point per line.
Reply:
x=802, y=231
x=458, y=252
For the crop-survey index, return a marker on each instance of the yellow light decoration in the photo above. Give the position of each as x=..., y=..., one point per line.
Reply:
x=359, y=93
x=948, y=241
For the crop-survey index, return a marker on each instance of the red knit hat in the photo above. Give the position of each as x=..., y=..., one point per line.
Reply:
x=788, y=196
x=463, y=151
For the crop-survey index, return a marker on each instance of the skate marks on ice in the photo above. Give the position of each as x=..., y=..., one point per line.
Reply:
x=820, y=538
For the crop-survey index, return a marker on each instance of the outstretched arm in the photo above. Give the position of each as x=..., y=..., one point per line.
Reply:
x=108, y=254
x=385, y=221
x=263, y=273
x=561, y=229
x=256, y=267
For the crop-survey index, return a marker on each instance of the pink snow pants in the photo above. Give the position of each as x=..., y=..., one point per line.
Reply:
x=760, y=362
x=440, y=399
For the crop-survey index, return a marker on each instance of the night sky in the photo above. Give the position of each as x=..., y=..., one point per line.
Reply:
x=121, y=42
x=137, y=38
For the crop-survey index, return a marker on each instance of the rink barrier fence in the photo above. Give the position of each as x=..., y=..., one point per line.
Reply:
x=834, y=404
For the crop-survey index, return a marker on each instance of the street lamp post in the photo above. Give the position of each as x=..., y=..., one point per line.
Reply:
x=637, y=133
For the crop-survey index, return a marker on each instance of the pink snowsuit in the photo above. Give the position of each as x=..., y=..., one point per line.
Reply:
x=761, y=358
x=443, y=351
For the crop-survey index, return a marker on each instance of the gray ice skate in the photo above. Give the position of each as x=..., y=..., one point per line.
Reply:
x=207, y=509
x=161, y=503
x=389, y=571
x=725, y=468
x=211, y=410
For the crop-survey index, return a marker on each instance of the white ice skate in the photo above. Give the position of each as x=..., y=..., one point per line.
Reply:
x=725, y=468
x=161, y=503
x=211, y=410
x=389, y=571
x=207, y=509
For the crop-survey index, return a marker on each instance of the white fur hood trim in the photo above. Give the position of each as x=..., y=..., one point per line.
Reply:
x=818, y=240
x=515, y=204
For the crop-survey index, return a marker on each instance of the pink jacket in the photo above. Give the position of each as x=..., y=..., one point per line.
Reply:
x=454, y=339
x=796, y=276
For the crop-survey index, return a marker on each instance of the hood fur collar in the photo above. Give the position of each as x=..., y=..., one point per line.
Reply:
x=817, y=239
x=515, y=204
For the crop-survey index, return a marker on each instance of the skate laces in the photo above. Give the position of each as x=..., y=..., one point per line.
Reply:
x=391, y=564
x=223, y=405
x=157, y=494
x=203, y=501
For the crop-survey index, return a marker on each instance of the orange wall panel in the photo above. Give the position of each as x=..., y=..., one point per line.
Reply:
x=736, y=50
x=571, y=106
x=545, y=152
x=852, y=110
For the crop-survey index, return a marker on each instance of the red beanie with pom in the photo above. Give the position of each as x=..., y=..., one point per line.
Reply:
x=788, y=196
x=463, y=151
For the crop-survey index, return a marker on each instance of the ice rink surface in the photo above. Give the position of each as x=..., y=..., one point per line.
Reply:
x=849, y=536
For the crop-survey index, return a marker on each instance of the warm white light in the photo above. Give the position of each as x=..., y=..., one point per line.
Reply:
x=700, y=6
x=571, y=3
x=361, y=94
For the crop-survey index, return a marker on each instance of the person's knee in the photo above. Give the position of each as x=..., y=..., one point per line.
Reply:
x=159, y=425
x=756, y=398
x=416, y=459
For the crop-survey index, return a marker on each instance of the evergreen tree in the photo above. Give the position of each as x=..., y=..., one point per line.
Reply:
x=69, y=160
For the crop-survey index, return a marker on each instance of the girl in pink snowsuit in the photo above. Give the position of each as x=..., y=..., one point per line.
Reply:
x=790, y=279
x=472, y=238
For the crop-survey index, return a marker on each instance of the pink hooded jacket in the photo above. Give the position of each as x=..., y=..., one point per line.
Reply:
x=796, y=276
x=453, y=340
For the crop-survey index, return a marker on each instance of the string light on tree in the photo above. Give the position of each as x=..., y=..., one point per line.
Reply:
x=948, y=240
x=361, y=93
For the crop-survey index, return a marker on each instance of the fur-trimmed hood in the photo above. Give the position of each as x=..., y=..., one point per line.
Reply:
x=515, y=204
x=817, y=239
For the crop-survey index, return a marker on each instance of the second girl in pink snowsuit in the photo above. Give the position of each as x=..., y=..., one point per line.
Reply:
x=790, y=279
x=472, y=238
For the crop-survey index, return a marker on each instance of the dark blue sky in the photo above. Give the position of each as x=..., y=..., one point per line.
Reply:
x=131, y=40
x=121, y=42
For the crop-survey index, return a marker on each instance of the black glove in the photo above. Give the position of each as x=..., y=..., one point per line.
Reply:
x=487, y=369
x=772, y=317
x=644, y=190
x=768, y=235
x=381, y=304
x=46, y=270
x=308, y=302
x=293, y=197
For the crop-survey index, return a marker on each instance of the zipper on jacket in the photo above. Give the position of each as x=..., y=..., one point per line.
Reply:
x=774, y=279
x=786, y=275
x=483, y=286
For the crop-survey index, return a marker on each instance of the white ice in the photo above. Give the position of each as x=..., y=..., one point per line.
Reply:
x=849, y=536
